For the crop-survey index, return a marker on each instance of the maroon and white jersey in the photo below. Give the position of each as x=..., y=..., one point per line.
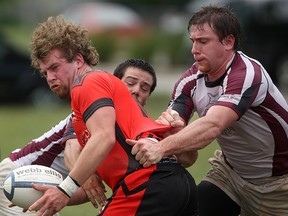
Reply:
x=46, y=150
x=256, y=145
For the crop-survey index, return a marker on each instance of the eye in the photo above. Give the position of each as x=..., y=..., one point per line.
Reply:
x=54, y=68
x=145, y=88
x=129, y=83
x=203, y=41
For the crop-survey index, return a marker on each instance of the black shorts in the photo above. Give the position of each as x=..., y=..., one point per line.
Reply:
x=166, y=188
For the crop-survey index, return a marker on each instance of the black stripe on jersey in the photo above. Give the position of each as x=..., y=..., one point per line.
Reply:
x=79, y=80
x=133, y=164
x=246, y=99
x=96, y=105
x=180, y=105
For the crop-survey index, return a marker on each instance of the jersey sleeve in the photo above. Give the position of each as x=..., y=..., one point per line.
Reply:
x=181, y=100
x=241, y=88
x=92, y=93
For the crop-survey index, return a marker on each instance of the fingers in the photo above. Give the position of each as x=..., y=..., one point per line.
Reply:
x=145, y=151
x=100, y=182
x=140, y=150
x=93, y=198
x=171, y=117
x=48, y=212
x=131, y=142
x=39, y=187
x=34, y=206
x=51, y=202
x=40, y=201
x=175, y=115
x=178, y=123
x=135, y=148
x=96, y=197
x=146, y=162
x=137, y=151
x=177, y=120
x=11, y=205
x=165, y=118
x=95, y=190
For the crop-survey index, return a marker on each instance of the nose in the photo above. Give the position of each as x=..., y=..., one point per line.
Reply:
x=50, y=76
x=136, y=90
x=193, y=49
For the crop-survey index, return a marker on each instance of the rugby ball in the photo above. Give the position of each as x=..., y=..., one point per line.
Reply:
x=18, y=183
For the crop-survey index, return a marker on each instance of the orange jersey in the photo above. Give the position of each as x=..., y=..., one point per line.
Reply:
x=98, y=89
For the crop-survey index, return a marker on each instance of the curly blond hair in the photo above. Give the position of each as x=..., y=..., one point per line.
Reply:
x=71, y=38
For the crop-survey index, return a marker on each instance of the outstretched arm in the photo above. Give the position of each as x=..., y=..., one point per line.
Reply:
x=173, y=118
x=193, y=137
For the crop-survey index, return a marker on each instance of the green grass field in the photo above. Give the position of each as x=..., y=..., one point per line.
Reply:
x=20, y=124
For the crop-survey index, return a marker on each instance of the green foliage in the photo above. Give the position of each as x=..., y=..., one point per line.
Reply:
x=153, y=2
x=106, y=46
x=146, y=46
x=176, y=51
x=143, y=47
x=171, y=46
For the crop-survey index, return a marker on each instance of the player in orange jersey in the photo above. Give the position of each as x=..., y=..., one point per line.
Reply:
x=104, y=116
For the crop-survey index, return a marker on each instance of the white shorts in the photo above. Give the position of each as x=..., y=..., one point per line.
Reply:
x=6, y=166
x=265, y=196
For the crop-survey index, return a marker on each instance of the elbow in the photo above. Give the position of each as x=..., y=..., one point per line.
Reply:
x=216, y=129
x=187, y=159
x=109, y=138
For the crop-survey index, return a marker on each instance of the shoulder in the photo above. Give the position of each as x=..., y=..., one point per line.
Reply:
x=246, y=69
x=92, y=75
x=244, y=62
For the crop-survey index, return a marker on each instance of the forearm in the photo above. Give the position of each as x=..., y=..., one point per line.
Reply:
x=71, y=153
x=94, y=152
x=79, y=197
x=193, y=137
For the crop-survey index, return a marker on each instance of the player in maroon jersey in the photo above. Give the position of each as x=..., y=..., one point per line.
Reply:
x=242, y=109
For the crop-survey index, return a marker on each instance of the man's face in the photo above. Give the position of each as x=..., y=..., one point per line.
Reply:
x=209, y=53
x=59, y=73
x=139, y=83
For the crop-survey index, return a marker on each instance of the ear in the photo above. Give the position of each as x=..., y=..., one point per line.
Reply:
x=228, y=42
x=79, y=60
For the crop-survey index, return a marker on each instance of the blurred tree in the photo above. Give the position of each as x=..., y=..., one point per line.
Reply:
x=4, y=10
x=179, y=3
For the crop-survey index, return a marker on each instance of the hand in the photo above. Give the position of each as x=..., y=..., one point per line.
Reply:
x=95, y=190
x=11, y=205
x=171, y=117
x=145, y=151
x=51, y=202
